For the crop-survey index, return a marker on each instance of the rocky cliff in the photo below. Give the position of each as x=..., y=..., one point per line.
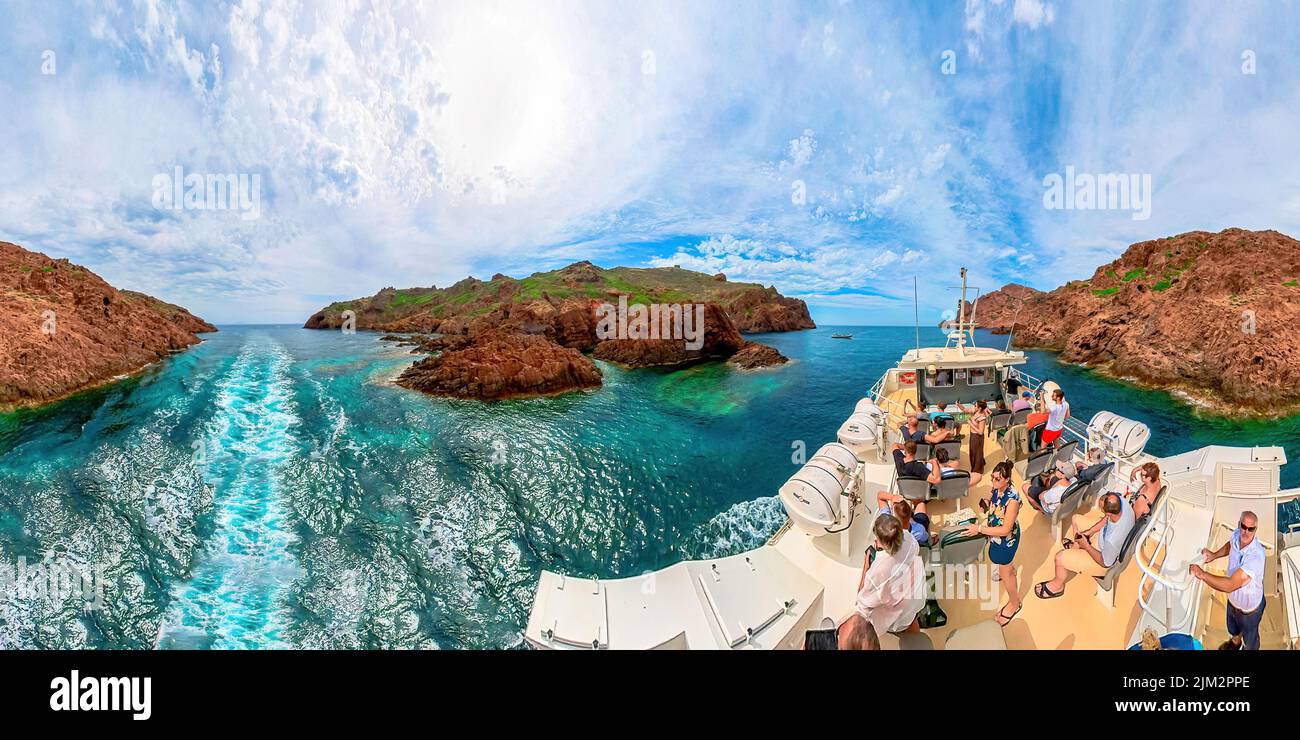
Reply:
x=1213, y=315
x=501, y=364
x=561, y=304
x=62, y=328
x=494, y=335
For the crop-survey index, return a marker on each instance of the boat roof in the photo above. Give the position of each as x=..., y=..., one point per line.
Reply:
x=961, y=356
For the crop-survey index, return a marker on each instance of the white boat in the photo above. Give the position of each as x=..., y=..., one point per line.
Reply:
x=809, y=570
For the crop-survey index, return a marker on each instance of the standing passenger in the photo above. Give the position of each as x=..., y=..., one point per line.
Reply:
x=1244, y=583
x=1003, y=532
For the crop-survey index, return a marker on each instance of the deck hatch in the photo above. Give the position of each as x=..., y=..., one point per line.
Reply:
x=586, y=615
x=741, y=598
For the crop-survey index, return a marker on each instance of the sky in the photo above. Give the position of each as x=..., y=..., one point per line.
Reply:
x=835, y=150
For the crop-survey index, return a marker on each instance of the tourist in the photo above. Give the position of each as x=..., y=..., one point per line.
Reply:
x=911, y=429
x=941, y=467
x=942, y=431
x=979, y=420
x=857, y=634
x=1080, y=555
x=891, y=591
x=911, y=515
x=1013, y=383
x=1244, y=583
x=1046, y=495
x=905, y=461
x=1025, y=401
x=1144, y=488
x=1056, y=416
x=1087, y=469
x=1003, y=531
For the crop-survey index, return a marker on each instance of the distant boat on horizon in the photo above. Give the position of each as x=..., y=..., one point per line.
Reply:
x=841, y=336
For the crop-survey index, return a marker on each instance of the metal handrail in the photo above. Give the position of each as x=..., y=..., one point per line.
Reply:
x=1171, y=587
x=1072, y=425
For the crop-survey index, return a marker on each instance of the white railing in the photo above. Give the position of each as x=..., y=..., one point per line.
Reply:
x=1073, y=426
x=1162, y=530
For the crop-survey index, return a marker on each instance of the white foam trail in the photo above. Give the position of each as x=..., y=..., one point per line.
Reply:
x=234, y=598
x=742, y=527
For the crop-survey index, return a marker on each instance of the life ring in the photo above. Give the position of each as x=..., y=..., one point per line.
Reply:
x=907, y=378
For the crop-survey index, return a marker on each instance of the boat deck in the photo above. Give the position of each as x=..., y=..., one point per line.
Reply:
x=1079, y=619
x=767, y=597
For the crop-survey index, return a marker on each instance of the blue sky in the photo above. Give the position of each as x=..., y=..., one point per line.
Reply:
x=415, y=143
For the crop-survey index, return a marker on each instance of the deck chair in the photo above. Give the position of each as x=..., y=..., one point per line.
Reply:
x=1020, y=417
x=1106, y=583
x=952, y=486
x=1071, y=500
x=1065, y=452
x=1037, y=463
x=953, y=446
x=1097, y=481
x=1036, y=435
x=956, y=549
x=913, y=488
x=1000, y=419
x=923, y=451
x=923, y=425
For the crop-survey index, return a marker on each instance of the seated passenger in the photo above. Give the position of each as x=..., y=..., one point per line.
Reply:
x=1144, y=488
x=1025, y=401
x=1088, y=469
x=944, y=430
x=911, y=515
x=1039, y=416
x=906, y=463
x=1045, y=494
x=891, y=591
x=911, y=430
x=857, y=634
x=1080, y=555
x=940, y=467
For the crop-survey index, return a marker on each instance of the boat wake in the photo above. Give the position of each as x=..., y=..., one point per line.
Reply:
x=235, y=595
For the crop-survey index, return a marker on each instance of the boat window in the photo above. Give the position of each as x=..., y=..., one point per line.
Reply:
x=982, y=376
x=941, y=379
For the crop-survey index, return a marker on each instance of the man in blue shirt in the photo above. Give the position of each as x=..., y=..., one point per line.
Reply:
x=1244, y=583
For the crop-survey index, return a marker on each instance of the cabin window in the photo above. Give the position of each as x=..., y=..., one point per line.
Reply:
x=941, y=379
x=981, y=376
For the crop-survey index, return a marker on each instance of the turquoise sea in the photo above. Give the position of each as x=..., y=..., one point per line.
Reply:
x=271, y=488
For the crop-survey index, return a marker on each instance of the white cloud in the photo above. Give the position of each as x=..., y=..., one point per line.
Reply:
x=1033, y=13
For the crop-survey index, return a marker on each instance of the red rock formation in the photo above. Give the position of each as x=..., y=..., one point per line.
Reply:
x=62, y=328
x=498, y=364
x=721, y=340
x=755, y=355
x=1214, y=314
x=759, y=310
x=562, y=297
x=997, y=310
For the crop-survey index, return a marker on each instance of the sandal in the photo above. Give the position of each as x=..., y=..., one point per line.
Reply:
x=1001, y=616
x=1067, y=543
x=1043, y=592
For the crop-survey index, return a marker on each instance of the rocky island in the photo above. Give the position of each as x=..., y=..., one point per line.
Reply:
x=63, y=329
x=509, y=337
x=1210, y=315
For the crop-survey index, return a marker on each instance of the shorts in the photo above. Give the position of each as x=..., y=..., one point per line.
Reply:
x=1050, y=436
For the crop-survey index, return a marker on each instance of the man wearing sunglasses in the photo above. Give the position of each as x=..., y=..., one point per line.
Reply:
x=1244, y=583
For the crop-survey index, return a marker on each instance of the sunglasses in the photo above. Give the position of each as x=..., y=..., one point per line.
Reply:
x=1245, y=528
